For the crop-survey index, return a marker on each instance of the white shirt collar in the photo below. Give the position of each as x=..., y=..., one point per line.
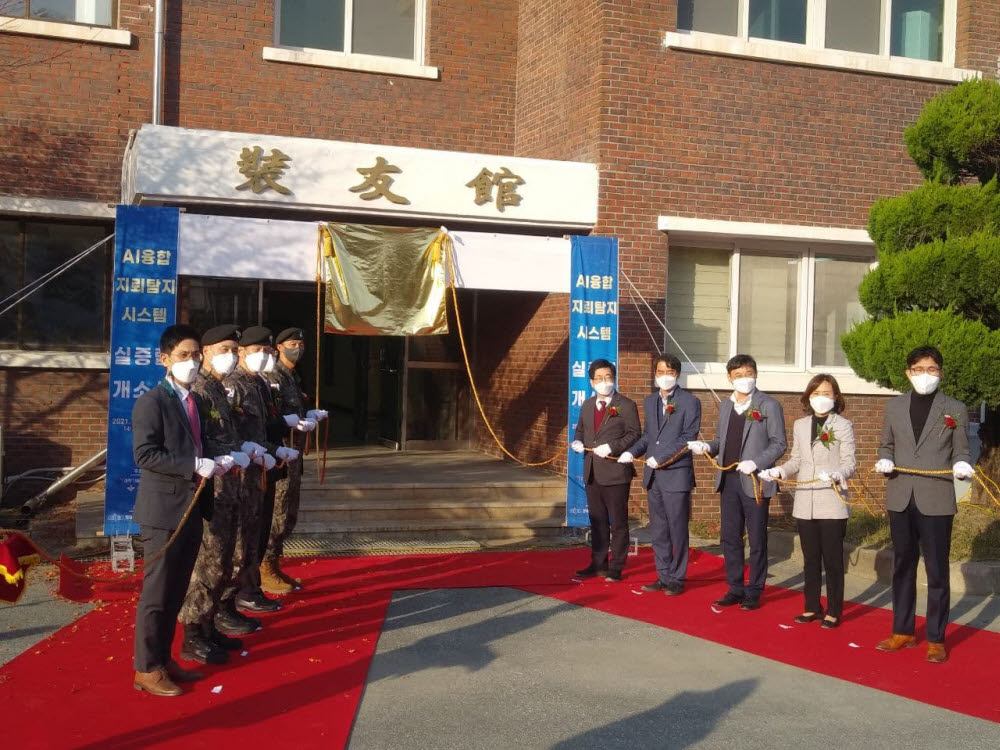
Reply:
x=670, y=394
x=737, y=406
x=180, y=390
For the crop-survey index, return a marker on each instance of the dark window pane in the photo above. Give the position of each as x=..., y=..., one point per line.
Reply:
x=10, y=278
x=783, y=20
x=318, y=24
x=713, y=16
x=69, y=312
x=215, y=302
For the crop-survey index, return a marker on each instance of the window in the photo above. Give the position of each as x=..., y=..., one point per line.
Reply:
x=386, y=28
x=93, y=12
x=70, y=313
x=790, y=306
x=901, y=28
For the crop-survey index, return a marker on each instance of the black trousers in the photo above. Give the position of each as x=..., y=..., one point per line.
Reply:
x=738, y=511
x=608, y=509
x=912, y=532
x=164, y=586
x=823, y=548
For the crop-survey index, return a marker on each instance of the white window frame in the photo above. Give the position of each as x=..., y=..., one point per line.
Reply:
x=414, y=67
x=814, y=53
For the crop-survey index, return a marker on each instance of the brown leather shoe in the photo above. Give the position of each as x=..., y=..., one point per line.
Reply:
x=897, y=641
x=270, y=581
x=177, y=673
x=295, y=583
x=156, y=682
x=937, y=653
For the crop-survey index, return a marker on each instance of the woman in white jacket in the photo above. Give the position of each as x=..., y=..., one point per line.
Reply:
x=823, y=449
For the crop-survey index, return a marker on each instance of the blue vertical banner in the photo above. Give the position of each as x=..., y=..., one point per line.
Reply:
x=143, y=304
x=593, y=334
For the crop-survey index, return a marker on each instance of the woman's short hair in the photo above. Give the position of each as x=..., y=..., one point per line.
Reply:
x=838, y=398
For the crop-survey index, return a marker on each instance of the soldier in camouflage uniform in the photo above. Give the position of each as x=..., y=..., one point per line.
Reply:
x=247, y=395
x=291, y=345
x=214, y=566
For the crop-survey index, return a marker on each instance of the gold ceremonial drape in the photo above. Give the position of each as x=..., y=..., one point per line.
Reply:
x=384, y=281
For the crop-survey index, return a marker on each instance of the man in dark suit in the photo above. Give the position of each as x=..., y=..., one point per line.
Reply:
x=609, y=424
x=167, y=445
x=926, y=430
x=751, y=435
x=672, y=418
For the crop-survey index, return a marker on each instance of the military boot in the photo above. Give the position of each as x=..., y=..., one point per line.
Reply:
x=271, y=581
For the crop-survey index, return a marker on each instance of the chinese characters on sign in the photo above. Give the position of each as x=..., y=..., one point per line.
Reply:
x=593, y=329
x=263, y=173
x=145, y=296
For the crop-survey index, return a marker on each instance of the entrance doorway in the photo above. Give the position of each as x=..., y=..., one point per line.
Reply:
x=402, y=392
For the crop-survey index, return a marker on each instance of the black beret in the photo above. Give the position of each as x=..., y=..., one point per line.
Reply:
x=291, y=334
x=256, y=335
x=219, y=334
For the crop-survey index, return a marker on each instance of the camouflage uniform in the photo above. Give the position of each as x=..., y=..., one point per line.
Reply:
x=291, y=400
x=214, y=567
x=247, y=395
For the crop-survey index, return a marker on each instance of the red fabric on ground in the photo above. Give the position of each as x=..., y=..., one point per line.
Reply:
x=302, y=679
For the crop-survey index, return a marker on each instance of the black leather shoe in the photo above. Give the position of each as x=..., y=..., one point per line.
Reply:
x=673, y=589
x=233, y=623
x=804, y=618
x=729, y=600
x=656, y=585
x=256, y=603
x=222, y=641
x=590, y=571
x=830, y=624
x=198, y=648
x=750, y=603
x=613, y=576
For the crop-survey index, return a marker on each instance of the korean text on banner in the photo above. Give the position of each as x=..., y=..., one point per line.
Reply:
x=593, y=334
x=143, y=304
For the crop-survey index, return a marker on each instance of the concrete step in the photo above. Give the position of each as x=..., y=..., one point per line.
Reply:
x=555, y=491
x=334, y=511
x=452, y=529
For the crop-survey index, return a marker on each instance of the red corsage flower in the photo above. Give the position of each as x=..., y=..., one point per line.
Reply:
x=949, y=423
x=755, y=415
x=612, y=411
x=671, y=407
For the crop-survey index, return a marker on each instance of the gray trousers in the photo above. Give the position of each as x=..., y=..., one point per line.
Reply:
x=669, y=513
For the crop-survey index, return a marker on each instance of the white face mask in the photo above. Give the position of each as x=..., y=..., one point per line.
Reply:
x=925, y=383
x=185, y=372
x=665, y=382
x=269, y=364
x=224, y=363
x=744, y=385
x=603, y=388
x=255, y=362
x=821, y=404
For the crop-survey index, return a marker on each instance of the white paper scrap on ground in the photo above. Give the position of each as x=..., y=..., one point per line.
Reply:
x=854, y=645
x=636, y=592
x=784, y=627
x=576, y=580
x=244, y=653
x=217, y=689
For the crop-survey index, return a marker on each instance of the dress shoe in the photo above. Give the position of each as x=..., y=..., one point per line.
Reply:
x=656, y=585
x=221, y=640
x=937, y=653
x=177, y=673
x=897, y=641
x=750, y=603
x=808, y=617
x=829, y=623
x=728, y=600
x=198, y=648
x=613, y=576
x=673, y=589
x=270, y=581
x=590, y=571
x=233, y=623
x=257, y=602
x=157, y=682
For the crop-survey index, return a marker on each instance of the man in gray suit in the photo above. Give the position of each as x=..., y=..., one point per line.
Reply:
x=750, y=434
x=929, y=431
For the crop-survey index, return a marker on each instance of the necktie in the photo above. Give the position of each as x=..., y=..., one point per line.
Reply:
x=192, y=412
x=598, y=415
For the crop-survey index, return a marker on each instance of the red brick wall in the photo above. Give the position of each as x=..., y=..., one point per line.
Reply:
x=977, y=31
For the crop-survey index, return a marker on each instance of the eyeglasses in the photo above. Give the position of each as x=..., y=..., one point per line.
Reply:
x=605, y=379
x=185, y=356
x=927, y=370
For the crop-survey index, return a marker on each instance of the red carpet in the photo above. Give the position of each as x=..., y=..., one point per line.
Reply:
x=302, y=678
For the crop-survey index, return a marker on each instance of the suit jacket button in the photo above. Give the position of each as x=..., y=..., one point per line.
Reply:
x=657, y=442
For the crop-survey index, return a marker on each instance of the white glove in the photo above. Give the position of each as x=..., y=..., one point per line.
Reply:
x=205, y=467
x=769, y=475
x=269, y=462
x=286, y=454
x=746, y=467
x=963, y=470
x=698, y=447
x=885, y=466
x=652, y=463
x=292, y=420
x=318, y=414
x=577, y=446
x=625, y=458
x=223, y=464
x=240, y=458
x=252, y=449
x=828, y=476
x=306, y=425
x=602, y=451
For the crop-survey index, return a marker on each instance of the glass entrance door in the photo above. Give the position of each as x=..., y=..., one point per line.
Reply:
x=387, y=354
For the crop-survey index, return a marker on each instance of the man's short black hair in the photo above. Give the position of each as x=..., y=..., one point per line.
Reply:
x=924, y=351
x=598, y=364
x=669, y=360
x=175, y=334
x=741, y=360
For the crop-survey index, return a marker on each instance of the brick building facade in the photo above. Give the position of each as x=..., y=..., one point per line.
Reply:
x=751, y=153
